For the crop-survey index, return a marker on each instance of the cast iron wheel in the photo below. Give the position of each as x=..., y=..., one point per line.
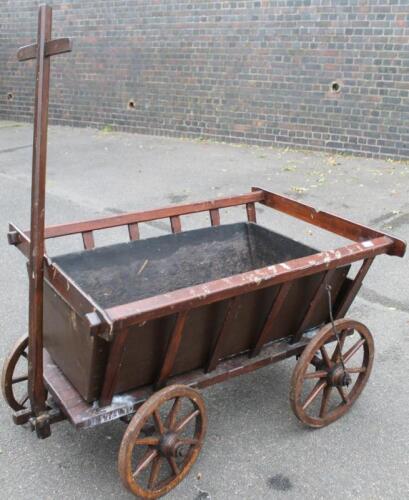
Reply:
x=321, y=396
x=166, y=452
x=15, y=380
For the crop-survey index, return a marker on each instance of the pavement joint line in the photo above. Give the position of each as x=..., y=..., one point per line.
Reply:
x=17, y=148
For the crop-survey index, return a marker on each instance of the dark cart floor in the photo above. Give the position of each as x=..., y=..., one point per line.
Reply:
x=126, y=272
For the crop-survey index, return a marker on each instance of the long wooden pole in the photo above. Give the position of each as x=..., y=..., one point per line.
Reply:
x=36, y=387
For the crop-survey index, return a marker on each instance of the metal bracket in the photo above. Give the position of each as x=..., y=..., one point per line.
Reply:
x=41, y=423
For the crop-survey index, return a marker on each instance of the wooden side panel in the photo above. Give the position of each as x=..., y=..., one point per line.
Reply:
x=82, y=358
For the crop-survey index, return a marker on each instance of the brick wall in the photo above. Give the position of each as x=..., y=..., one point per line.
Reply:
x=322, y=74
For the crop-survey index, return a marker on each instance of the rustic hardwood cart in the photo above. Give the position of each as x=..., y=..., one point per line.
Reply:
x=131, y=331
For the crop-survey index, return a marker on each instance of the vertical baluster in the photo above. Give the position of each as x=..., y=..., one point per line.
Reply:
x=175, y=224
x=251, y=212
x=214, y=216
x=133, y=230
x=88, y=240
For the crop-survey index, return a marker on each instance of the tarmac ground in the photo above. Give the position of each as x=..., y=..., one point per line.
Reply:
x=255, y=447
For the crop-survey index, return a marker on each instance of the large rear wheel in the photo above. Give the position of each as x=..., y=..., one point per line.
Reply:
x=330, y=375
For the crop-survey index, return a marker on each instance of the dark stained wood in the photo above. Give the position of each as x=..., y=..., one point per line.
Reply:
x=88, y=240
x=217, y=348
x=36, y=387
x=63, y=284
x=271, y=318
x=328, y=221
x=41, y=52
x=112, y=368
x=133, y=230
x=149, y=215
x=175, y=224
x=195, y=296
x=85, y=415
x=172, y=350
x=214, y=217
x=353, y=289
x=251, y=212
x=321, y=289
x=52, y=47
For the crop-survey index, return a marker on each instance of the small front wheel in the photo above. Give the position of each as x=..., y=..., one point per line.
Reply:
x=329, y=376
x=162, y=441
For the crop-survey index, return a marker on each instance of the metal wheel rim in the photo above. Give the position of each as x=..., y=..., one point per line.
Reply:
x=135, y=427
x=298, y=378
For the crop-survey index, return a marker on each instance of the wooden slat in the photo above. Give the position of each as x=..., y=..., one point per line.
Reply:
x=218, y=344
x=52, y=47
x=354, y=289
x=172, y=350
x=214, y=217
x=133, y=230
x=149, y=215
x=85, y=415
x=112, y=367
x=271, y=317
x=329, y=222
x=321, y=289
x=175, y=224
x=251, y=212
x=88, y=240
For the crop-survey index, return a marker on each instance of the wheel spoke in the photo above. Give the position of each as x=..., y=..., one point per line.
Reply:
x=147, y=441
x=189, y=441
x=317, y=374
x=146, y=460
x=174, y=465
x=348, y=355
x=19, y=379
x=358, y=369
x=23, y=400
x=344, y=397
x=171, y=420
x=319, y=386
x=158, y=422
x=183, y=423
x=325, y=356
x=325, y=401
x=153, y=478
x=339, y=346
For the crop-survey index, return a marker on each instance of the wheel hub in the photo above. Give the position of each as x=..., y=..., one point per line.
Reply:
x=337, y=376
x=170, y=445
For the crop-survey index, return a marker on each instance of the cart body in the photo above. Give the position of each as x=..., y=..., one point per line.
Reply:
x=194, y=307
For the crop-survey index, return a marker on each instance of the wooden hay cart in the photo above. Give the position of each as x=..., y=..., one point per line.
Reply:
x=131, y=331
